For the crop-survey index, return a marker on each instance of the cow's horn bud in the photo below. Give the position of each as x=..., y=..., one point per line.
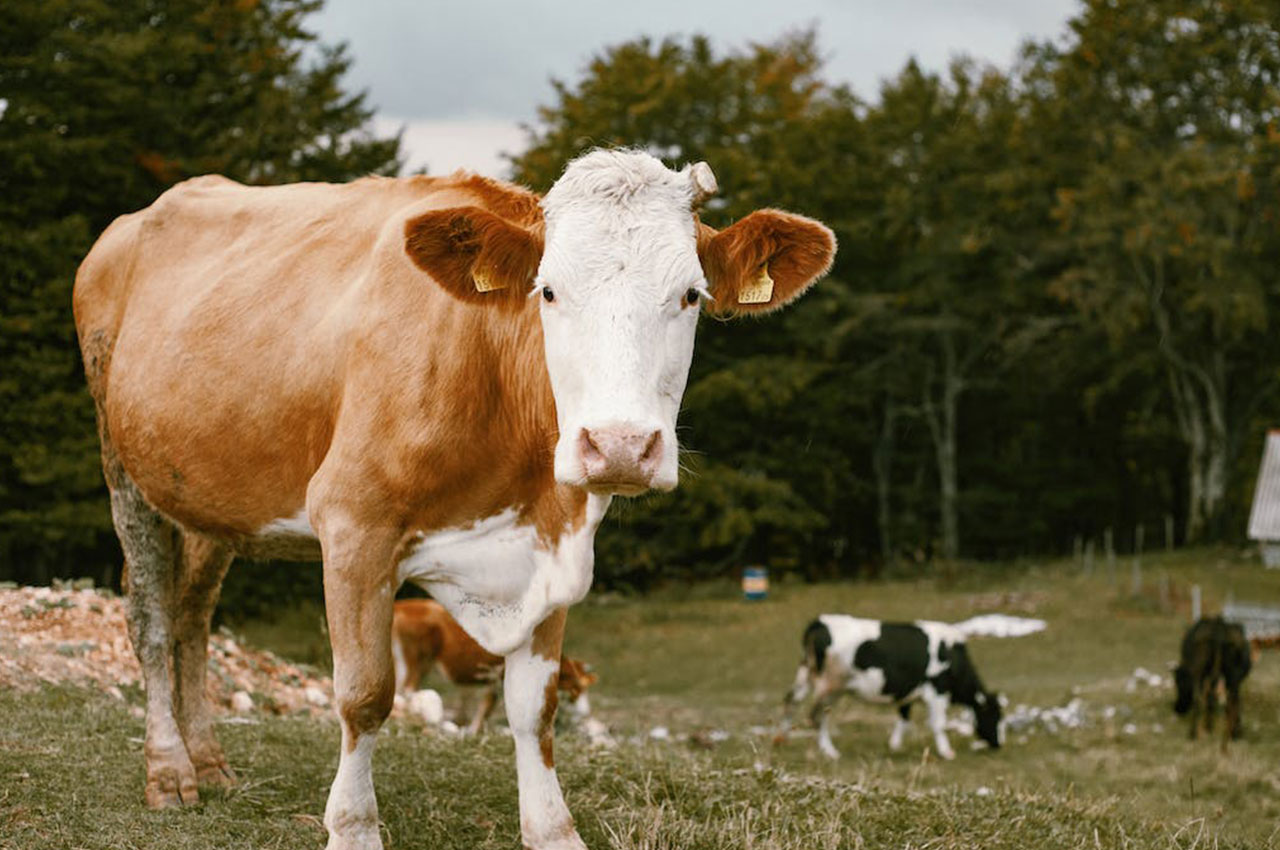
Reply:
x=704, y=182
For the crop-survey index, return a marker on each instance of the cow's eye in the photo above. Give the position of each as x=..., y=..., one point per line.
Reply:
x=548, y=295
x=691, y=297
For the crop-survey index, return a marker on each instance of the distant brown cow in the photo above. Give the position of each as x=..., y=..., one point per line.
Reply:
x=424, y=635
x=442, y=380
x=1215, y=654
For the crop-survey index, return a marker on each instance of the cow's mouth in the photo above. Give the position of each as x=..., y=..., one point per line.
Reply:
x=606, y=487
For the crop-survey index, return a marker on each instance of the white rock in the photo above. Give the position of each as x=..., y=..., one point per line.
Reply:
x=1001, y=625
x=983, y=791
x=598, y=733
x=241, y=702
x=426, y=705
x=660, y=733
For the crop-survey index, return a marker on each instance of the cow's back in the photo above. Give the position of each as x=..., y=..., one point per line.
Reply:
x=215, y=327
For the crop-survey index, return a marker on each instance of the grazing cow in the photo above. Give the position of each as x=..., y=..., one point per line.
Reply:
x=896, y=663
x=424, y=635
x=442, y=380
x=1215, y=654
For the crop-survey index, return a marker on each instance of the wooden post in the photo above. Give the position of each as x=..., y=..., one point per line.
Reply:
x=1108, y=543
x=1137, y=560
x=1168, y=532
x=1195, y=603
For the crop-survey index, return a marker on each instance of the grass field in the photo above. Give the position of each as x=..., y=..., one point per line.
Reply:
x=700, y=660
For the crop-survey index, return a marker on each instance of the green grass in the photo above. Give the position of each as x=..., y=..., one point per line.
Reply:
x=702, y=659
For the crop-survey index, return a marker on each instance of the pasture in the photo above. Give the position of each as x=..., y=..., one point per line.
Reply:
x=703, y=664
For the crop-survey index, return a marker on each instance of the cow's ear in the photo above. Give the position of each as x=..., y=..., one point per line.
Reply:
x=764, y=260
x=475, y=255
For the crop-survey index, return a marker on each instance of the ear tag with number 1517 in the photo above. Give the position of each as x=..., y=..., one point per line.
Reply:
x=758, y=291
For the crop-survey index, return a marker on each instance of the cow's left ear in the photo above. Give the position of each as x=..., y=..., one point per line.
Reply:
x=474, y=255
x=764, y=260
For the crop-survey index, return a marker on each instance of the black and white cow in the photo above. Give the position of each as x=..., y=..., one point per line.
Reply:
x=897, y=663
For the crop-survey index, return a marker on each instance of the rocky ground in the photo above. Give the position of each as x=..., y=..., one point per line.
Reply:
x=78, y=635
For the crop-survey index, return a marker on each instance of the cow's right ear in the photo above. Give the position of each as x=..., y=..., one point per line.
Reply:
x=474, y=255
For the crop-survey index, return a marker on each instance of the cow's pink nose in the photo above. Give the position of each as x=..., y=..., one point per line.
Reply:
x=620, y=458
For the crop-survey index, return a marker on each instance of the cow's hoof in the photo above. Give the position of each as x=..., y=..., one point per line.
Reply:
x=364, y=839
x=570, y=841
x=168, y=787
x=216, y=774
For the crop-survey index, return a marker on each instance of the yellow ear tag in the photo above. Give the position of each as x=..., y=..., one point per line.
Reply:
x=483, y=282
x=758, y=291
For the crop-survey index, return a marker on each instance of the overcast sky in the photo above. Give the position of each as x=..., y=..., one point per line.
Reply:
x=460, y=75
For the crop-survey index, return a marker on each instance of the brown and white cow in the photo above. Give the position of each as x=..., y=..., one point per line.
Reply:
x=425, y=636
x=442, y=380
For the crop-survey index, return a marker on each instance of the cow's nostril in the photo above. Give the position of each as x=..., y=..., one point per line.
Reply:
x=652, y=449
x=588, y=447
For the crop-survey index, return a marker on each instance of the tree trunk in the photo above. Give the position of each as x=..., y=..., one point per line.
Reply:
x=942, y=427
x=1198, y=402
x=882, y=464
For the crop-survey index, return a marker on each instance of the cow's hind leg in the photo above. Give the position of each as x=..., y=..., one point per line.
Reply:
x=359, y=588
x=488, y=700
x=824, y=697
x=203, y=565
x=151, y=543
x=529, y=690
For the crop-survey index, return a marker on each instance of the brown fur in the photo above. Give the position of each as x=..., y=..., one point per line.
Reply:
x=797, y=251
x=462, y=247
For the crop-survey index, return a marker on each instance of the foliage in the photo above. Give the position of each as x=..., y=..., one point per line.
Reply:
x=102, y=107
x=987, y=354
x=1052, y=312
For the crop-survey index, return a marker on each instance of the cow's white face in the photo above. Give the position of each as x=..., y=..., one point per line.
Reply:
x=620, y=287
x=620, y=269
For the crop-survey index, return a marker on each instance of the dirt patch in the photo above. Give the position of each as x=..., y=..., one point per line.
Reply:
x=64, y=636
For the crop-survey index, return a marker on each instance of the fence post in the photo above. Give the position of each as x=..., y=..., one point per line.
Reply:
x=1109, y=546
x=1168, y=532
x=1137, y=559
x=1195, y=603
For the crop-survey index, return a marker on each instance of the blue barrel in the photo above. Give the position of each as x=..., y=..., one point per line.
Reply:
x=755, y=583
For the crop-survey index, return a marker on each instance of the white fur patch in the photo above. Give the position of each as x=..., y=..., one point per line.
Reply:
x=496, y=577
x=620, y=255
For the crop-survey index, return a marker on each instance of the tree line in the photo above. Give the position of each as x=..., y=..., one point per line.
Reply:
x=1050, y=313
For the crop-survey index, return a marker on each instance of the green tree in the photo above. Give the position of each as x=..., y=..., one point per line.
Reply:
x=103, y=105
x=1167, y=117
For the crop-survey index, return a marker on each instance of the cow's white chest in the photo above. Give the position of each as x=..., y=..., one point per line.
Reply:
x=498, y=579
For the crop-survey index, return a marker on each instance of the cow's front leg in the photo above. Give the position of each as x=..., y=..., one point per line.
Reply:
x=359, y=588
x=937, y=705
x=529, y=690
x=900, y=727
